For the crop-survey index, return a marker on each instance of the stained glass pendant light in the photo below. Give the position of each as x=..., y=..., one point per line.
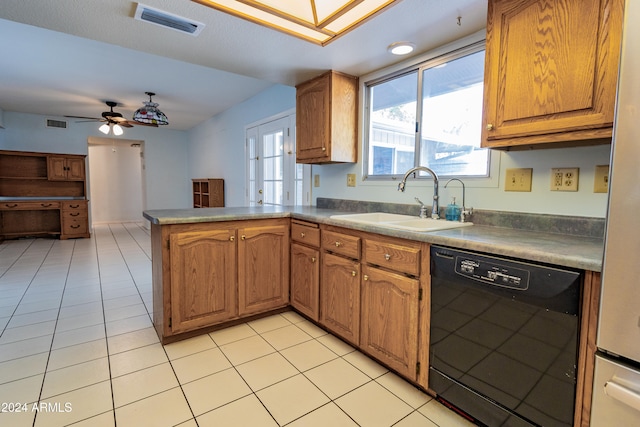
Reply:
x=150, y=114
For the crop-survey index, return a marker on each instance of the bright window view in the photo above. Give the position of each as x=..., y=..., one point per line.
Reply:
x=447, y=136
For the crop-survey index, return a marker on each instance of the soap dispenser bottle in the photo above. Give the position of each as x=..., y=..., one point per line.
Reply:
x=452, y=212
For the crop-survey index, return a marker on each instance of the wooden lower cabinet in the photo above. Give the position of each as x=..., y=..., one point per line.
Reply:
x=203, y=265
x=205, y=274
x=75, y=219
x=263, y=273
x=305, y=280
x=389, y=320
x=340, y=297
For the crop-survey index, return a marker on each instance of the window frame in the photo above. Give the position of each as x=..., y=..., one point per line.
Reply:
x=418, y=65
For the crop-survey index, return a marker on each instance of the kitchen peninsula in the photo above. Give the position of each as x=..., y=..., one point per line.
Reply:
x=214, y=267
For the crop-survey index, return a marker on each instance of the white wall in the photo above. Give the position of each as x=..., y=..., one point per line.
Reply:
x=216, y=147
x=333, y=183
x=116, y=183
x=165, y=175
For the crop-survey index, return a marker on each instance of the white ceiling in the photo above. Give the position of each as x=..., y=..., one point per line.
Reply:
x=66, y=57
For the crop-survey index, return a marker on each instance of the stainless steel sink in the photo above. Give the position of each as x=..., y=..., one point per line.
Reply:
x=401, y=222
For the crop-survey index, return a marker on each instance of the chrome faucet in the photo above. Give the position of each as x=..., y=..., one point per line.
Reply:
x=435, y=209
x=423, y=208
x=465, y=212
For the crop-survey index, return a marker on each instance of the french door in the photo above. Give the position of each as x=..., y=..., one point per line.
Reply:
x=274, y=178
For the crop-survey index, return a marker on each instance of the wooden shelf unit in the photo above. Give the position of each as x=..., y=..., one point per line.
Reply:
x=42, y=194
x=208, y=193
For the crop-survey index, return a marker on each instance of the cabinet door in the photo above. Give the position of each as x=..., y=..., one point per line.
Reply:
x=305, y=280
x=389, y=325
x=61, y=168
x=263, y=268
x=203, y=269
x=75, y=169
x=56, y=168
x=551, y=68
x=340, y=296
x=313, y=119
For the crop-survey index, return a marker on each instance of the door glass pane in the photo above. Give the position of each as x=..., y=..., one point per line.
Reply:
x=252, y=165
x=273, y=173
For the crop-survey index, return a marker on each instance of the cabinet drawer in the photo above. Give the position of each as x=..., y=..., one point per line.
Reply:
x=342, y=244
x=72, y=226
x=29, y=205
x=307, y=234
x=75, y=205
x=401, y=258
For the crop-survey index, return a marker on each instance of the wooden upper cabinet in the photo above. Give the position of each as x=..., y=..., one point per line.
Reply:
x=327, y=119
x=550, y=72
x=64, y=168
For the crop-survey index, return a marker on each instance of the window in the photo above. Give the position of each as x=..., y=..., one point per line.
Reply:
x=428, y=115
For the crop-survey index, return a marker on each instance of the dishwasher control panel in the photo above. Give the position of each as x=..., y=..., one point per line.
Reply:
x=492, y=273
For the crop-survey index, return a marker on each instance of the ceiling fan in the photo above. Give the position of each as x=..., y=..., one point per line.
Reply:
x=113, y=118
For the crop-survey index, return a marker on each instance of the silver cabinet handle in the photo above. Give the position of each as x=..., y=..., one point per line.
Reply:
x=623, y=394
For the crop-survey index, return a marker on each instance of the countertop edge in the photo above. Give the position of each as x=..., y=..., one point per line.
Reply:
x=584, y=253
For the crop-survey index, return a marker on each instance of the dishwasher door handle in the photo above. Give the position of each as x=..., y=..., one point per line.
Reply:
x=623, y=394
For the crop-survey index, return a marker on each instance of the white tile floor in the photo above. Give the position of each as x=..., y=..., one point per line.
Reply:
x=77, y=347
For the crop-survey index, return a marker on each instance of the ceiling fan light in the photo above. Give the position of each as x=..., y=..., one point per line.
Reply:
x=117, y=130
x=104, y=129
x=150, y=113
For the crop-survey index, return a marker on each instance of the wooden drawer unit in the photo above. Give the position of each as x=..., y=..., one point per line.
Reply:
x=339, y=243
x=75, y=219
x=306, y=233
x=404, y=258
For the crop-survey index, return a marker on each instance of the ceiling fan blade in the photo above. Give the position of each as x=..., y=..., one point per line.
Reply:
x=83, y=117
x=125, y=124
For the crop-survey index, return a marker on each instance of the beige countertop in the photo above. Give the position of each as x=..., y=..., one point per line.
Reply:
x=558, y=249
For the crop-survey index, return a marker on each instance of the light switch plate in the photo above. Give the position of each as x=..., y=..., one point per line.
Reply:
x=518, y=179
x=601, y=180
x=316, y=180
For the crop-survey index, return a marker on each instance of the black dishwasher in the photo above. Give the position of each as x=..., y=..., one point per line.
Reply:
x=504, y=338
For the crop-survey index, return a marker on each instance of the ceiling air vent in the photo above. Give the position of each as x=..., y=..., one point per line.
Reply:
x=58, y=124
x=168, y=20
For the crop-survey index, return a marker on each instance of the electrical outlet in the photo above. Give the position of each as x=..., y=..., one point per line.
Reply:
x=564, y=179
x=601, y=180
x=518, y=179
x=316, y=180
x=351, y=180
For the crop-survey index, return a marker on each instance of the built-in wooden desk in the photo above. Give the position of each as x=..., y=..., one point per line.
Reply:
x=67, y=219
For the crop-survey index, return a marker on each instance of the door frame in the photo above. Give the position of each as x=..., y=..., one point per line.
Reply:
x=289, y=150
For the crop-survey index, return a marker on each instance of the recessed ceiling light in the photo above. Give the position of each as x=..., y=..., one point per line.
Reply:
x=401, y=48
